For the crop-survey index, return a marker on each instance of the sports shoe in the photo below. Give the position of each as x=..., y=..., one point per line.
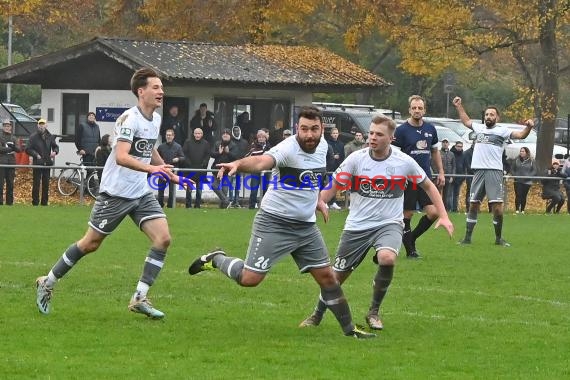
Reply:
x=414, y=255
x=143, y=306
x=358, y=333
x=311, y=321
x=502, y=242
x=43, y=295
x=374, y=321
x=334, y=206
x=204, y=262
x=464, y=242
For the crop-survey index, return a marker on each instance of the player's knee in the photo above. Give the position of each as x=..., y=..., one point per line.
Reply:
x=386, y=257
x=249, y=279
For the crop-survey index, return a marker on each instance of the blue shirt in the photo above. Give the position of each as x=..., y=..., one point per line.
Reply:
x=417, y=142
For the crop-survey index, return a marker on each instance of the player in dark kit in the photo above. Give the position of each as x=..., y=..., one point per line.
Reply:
x=418, y=138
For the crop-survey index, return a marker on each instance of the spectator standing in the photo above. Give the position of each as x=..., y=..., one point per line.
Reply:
x=258, y=147
x=224, y=151
x=43, y=149
x=551, y=188
x=335, y=157
x=8, y=148
x=242, y=147
x=448, y=162
x=469, y=179
x=566, y=173
x=355, y=144
x=87, y=139
x=197, y=153
x=173, y=121
x=245, y=124
x=523, y=166
x=460, y=168
x=171, y=153
x=102, y=154
x=204, y=119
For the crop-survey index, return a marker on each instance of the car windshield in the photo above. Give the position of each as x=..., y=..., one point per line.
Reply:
x=452, y=137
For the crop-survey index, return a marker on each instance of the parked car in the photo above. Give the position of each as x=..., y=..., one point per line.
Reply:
x=348, y=118
x=24, y=124
x=35, y=111
x=453, y=124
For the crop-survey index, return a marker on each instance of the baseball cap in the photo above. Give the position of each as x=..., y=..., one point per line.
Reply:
x=287, y=132
x=42, y=121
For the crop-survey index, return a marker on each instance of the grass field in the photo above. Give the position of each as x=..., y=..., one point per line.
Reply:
x=478, y=312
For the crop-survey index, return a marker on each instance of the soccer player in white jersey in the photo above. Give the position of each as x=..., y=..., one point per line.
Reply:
x=123, y=192
x=376, y=178
x=285, y=224
x=487, y=164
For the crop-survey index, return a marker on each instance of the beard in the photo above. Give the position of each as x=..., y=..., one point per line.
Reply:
x=309, y=145
x=490, y=123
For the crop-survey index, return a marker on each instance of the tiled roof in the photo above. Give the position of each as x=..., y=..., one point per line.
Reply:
x=271, y=64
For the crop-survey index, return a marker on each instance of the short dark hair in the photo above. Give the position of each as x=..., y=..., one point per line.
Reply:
x=140, y=79
x=91, y=113
x=310, y=112
x=203, y=105
x=493, y=108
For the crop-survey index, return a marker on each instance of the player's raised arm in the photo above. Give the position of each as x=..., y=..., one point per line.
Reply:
x=461, y=111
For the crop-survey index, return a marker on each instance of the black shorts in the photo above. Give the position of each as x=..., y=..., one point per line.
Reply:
x=414, y=196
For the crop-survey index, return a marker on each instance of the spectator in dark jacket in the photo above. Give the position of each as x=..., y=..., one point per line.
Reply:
x=204, y=119
x=335, y=157
x=242, y=147
x=224, y=151
x=258, y=147
x=460, y=168
x=551, y=188
x=9, y=146
x=468, y=156
x=197, y=152
x=87, y=139
x=43, y=149
x=523, y=166
x=448, y=163
x=102, y=153
x=171, y=153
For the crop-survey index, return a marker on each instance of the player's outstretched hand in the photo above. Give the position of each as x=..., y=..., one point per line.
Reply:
x=445, y=223
x=322, y=207
x=229, y=168
x=456, y=101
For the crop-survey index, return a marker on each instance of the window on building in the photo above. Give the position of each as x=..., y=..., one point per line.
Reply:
x=74, y=111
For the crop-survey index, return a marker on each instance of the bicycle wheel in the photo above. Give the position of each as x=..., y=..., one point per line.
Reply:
x=68, y=181
x=93, y=185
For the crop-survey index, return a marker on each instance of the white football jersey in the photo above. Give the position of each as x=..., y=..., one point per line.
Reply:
x=296, y=180
x=377, y=187
x=142, y=133
x=489, y=146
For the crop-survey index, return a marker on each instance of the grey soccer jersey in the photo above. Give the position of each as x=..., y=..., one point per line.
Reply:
x=296, y=180
x=489, y=146
x=377, y=187
x=142, y=133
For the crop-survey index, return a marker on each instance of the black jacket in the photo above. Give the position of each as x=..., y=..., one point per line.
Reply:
x=42, y=144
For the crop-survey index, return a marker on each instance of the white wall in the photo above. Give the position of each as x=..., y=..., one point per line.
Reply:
x=125, y=98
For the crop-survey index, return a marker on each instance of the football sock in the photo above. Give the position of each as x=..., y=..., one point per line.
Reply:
x=230, y=266
x=470, y=225
x=320, y=308
x=498, y=224
x=407, y=236
x=423, y=225
x=71, y=256
x=380, y=285
x=152, y=266
x=334, y=298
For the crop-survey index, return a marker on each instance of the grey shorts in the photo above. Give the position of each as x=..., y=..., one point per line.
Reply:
x=108, y=211
x=273, y=237
x=354, y=245
x=487, y=181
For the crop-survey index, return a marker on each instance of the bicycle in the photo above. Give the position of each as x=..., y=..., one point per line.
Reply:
x=69, y=180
